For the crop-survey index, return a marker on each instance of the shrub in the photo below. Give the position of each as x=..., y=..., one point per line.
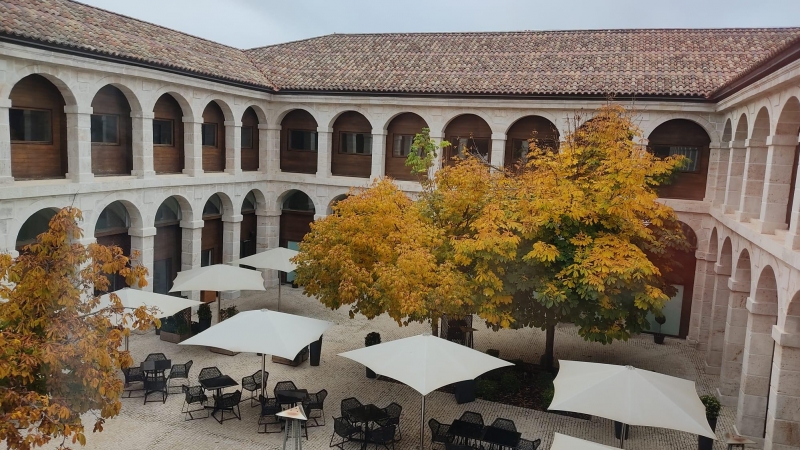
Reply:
x=493, y=352
x=544, y=384
x=486, y=389
x=204, y=312
x=373, y=338
x=712, y=406
x=228, y=312
x=509, y=382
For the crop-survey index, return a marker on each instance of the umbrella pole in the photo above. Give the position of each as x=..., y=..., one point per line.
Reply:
x=622, y=436
x=422, y=427
x=219, y=307
x=279, y=291
x=263, y=370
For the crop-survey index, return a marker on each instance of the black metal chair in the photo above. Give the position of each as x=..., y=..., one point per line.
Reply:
x=179, y=371
x=504, y=424
x=525, y=444
x=471, y=417
x=314, y=407
x=345, y=430
x=253, y=384
x=348, y=404
x=269, y=407
x=284, y=386
x=206, y=373
x=227, y=402
x=393, y=410
x=156, y=357
x=155, y=383
x=440, y=433
x=383, y=436
x=192, y=396
x=133, y=375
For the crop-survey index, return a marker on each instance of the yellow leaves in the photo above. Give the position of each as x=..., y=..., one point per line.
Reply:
x=543, y=252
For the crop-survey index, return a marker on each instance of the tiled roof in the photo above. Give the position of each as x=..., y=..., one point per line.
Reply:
x=77, y=26
x=656, y=62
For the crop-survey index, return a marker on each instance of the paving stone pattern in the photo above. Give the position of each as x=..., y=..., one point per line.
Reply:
x=161, y=426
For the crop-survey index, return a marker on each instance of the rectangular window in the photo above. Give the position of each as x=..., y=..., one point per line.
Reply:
x=519, y=149
x=356, y=143
x=210, y=134
x=303, y=140
x=476, y=147
x=401, y=146
x=30, y=125
x=247, y=137
x=691, y=153
x=162, y=132
x=105, y=129
x=206, y=257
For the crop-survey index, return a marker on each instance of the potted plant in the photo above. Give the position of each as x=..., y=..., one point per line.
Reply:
x=204, y=316
x=658, y=337
x=228, y=312
x=371, y=339
x=712, y=413
x=175, y=329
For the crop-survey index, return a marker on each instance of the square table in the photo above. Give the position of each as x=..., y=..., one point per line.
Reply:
x=501, y=437
x=367, y=414
x=291, y=396
x=218, y=383
x=466, y=430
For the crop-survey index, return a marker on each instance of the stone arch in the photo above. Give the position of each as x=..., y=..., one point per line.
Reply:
x=422, y=115
x=278, y=115
x=186, y=106
x=708, y=127
x=352, y=144
x=735, y=329
x=475, y=112
x=713, y=244
x=400, y=132
x=522, y=130
x=227, y=203
x=742, y=268
x=136, y=216
x=250, y=137
x=725, y=258
x=187, y=209
x=297, y=212
x=789, y=119
x=223, y=105
x=52, y=75
x=299, y=140
x=742, y=128
x=766, y=286
x=688, y=138
x=112, y=131
x=334, y=201
x=121, y=84
x=260, y=113
x=34, y=225
x=727, y=131
x=261, y=199
x=760, y=126
x=289, y=192
x=470, y=132
x=373, y=122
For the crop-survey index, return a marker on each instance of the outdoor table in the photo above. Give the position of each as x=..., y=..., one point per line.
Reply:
x=218, y=384
x=467, y=431
x=291, y=396
x=154, y=379
x=501, y=437
x=366, y=414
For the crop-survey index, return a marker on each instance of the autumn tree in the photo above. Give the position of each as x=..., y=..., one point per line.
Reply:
x=60, y=355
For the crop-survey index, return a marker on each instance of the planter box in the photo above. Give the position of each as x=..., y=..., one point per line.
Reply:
x=222, y=351
x=173, y=337
x=302, y=356
x=465, y=391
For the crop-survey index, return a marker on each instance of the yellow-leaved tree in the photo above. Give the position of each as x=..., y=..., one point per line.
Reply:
x=60, y=355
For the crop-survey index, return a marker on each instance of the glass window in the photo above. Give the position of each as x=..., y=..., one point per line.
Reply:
x=213, y=206
x=401, y=147
x=298, y=201
x=206, y=257
x=105, y=129
x=30, y=125
x=210, y=134
x=162, y=132
x=691, y=153
x=303, y=140
x=247, y=137
x=168, y=212
x=356, y=143
x=249, y=203
x=519, y=149
x=114, y=217
x=473, y=146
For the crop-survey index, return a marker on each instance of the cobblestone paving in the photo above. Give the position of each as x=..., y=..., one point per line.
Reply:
x=161, y=426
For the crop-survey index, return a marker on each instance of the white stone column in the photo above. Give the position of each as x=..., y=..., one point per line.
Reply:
x=267, y=237
x=233, y=147
x=79, y=143
x=752, y=181
x=751, y=413
x=5, y=142
x=717, y=174
x=783, y=417
x=702, y=298
x=498, y=150
x=719, y=315
x=733, y=185
x=191, y=245
x=437, y=161
x=269, y=150
x=378, y=155
x=324, y=150
x=793, y=236
x=231, y=244
x=143, y=241
x=733, y=349
x=777, y=181
x=142, y=127
x=193, y=146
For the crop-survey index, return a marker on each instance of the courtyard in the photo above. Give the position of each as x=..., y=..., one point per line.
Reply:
x=157, y=425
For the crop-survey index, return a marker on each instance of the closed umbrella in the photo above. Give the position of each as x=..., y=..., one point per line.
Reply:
x=218, y=277
x=279, y=259
x=564, y=442
x=630, y=396
x=262, y=331
x=425, y=363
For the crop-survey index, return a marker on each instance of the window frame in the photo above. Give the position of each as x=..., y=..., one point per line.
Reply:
x=203, y=135
x=252, y=135
x=524, y=156
x=289, y=140
x=172, y=132
x=116, y=133
x=395, y=135
x=669, y=147
x=355, y=133
x=48, y=111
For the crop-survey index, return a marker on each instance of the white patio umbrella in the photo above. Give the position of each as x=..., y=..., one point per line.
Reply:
x=275, y=259
x=425, y=363
x=564, y=442
x=262, y=331
x=218, y=277
x=630, y=396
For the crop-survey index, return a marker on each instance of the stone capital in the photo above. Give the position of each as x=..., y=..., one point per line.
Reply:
x=142, y=114
x=498, y=136
x=721, y=269
x=192, y=224
x=737, y=144
x=191, y=119
x=755, y=143
x=265, y=126
x=705, y=256
x=738, y=286
x=324, y=130
x=785, y=339
x=762, y=308
x=142, y=232
x=75, y=109
x=232, y=218
x=232, y=123
x=5, y=103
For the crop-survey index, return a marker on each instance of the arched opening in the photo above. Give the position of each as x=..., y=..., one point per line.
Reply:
x=529, y=127
x=212, y=239
x=299, y=142
x=789, y=125
x=213, y=138
x=249, y=140
x=167, y=246
x=112, y=230
x=683, y=137
x=736, y=327
x=467, y=134
x=352, y=146
x=399, y=137
x=727, y=132
x=35, y=225
x=38, y=127
x=783, y=382
x=297, y=213
x=112, y=136
x=168, y=156
x=754, y=170
x=249, y=227
x=336, y=200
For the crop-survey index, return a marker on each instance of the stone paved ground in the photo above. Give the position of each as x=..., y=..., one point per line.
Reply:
x=161, y=426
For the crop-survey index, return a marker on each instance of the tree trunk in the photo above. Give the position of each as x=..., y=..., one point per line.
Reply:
x=547, y=358
x=434, y=326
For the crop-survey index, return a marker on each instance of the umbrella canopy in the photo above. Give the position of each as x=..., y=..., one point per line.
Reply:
x=262, y=331
x=219, y=277
x=631, y=396
x=275, y=259
x=167, y=305
x=564, y=442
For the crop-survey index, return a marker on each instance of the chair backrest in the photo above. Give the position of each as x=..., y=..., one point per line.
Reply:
x=193, y=393
x=472, y=417
x=209, y=372
x=504, y=424
x=188, y=366
x=257, y=376
x=156, y=357
x=342, y=427
x=393, y=410
x=525, y=444
x=316, y=400
x=434, y=425
x=284, y=386
x=537, y=443
x=383, y=434
x=321, y=396
x=350, y=403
